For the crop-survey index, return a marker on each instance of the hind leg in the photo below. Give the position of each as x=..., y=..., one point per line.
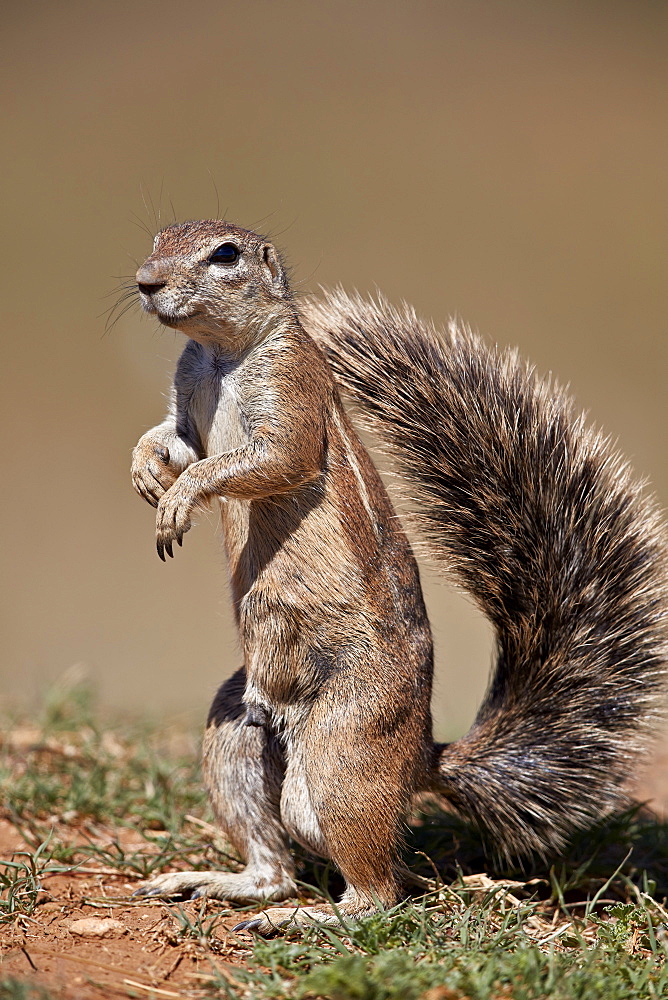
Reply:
x=344, y=796
x=243, y=770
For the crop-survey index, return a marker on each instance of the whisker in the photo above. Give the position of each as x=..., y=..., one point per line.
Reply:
x=143, y=198
x=141, y=224
x=162, y=187
x=302, y=281
x=114, y=315
x=215, y=188
x=127, y=297
x=280, y=232
x=124, y=281
x=122, y=292
x=256, y=225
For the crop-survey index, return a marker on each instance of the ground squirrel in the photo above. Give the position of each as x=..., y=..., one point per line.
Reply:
x=325, y=734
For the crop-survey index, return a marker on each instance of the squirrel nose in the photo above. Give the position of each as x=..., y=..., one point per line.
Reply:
x=148, y=278
x=150, y=289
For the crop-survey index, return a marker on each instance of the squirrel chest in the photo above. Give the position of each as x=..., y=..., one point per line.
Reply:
x=213, y=400
x=215, y=407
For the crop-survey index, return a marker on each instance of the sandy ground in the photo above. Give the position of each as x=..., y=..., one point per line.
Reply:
x=127, y=949
x=136, y=948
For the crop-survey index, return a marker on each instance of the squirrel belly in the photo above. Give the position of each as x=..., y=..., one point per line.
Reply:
x=540, y=520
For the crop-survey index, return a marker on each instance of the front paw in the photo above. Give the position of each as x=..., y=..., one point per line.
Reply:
x=152, y=473
x=173, y=518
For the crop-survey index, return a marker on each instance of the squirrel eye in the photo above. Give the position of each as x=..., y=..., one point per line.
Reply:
x=226, y=253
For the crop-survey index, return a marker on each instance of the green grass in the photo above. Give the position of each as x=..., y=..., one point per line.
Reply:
x=591, y=925
x=458, y=944
x=75, y=776
x=20, y=881
x=20, y=989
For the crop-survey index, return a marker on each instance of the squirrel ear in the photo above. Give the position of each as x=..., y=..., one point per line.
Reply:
x=273, y=269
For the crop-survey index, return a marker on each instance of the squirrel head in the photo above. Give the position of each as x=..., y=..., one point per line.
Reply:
x=216, y=283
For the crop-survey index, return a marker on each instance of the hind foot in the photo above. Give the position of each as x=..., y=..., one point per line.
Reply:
x=286, y=919
x=244, y=887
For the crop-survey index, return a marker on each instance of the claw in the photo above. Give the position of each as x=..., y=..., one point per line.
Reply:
x=145, y=891
x=247, y=925
x=198, y=894
x=168, y=549
x=161, y=553
x=154, y=491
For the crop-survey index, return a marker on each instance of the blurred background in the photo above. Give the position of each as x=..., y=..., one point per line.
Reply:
x=504, y=162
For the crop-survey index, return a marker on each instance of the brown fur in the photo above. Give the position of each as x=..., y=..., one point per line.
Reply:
x=337, y=647
x=325, y=734
x=539, y=519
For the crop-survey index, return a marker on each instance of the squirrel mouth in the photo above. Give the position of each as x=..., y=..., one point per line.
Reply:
x=169, y=314
x=176, y=317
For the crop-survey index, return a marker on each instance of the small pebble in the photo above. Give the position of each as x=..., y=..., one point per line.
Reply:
x=97, y=927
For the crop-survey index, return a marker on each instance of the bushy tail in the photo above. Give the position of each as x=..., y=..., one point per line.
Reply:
x=540, y=520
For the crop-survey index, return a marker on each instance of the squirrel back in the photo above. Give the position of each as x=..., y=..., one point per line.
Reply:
x=539, y=519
